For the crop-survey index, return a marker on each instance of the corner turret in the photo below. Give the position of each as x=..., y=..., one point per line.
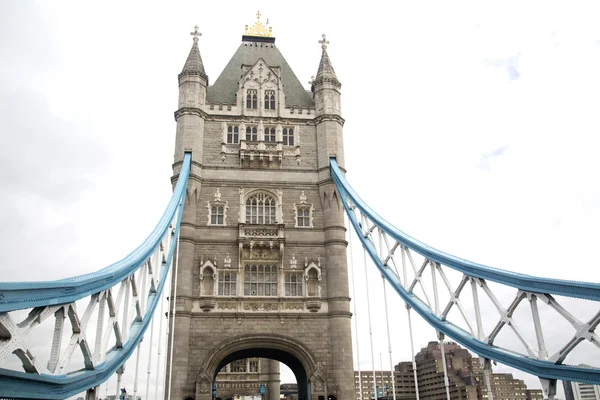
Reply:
x=193, y=82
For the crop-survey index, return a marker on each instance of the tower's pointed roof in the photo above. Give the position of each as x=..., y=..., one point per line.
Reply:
x=257, y=43
x=326, y=71
x=193, y=64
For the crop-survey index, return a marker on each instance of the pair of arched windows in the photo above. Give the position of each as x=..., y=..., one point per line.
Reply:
x=252, y=98
x=269, y=99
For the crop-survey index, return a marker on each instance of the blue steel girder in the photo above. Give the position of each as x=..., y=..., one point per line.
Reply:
x=536, y=361
x=141, y=277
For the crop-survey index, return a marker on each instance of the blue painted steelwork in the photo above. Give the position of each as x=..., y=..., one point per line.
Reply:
x=540, y=368
x=22, y=385
x=21, y=295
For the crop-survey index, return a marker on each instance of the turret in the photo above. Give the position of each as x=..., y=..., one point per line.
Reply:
x=192, y=96
x=326, y=91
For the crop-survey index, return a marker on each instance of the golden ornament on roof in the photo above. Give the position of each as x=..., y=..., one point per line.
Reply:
x=258, y=29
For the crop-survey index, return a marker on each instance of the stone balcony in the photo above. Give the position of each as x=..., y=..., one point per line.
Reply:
x=261, y=151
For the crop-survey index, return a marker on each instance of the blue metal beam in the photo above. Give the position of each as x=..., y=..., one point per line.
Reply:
x=540, y=368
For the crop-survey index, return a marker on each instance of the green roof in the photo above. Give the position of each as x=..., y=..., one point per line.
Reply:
x=224, y=90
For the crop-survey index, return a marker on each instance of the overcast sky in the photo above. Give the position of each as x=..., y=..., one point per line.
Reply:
x=472, y=127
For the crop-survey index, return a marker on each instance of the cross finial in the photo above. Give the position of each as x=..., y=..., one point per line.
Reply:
x=312, y=80
x=195, y=34
x=324, y=42
x=258, y=15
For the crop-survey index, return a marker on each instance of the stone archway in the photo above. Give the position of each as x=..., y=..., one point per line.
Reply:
x=296, y=356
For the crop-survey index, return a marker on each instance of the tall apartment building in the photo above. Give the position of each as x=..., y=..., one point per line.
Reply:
x=581, y=391
x=465, y=377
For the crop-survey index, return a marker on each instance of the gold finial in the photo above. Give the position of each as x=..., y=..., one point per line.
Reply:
x=195, y=34
x=258, y=29
x=324, y=42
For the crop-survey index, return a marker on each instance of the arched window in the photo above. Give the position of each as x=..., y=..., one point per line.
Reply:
x=312, y=286
x=269, y=134
x=260, y=209
x=260, y=280
x=269, y=99
x=251, y=134
x=288, y=136
x=251, y=98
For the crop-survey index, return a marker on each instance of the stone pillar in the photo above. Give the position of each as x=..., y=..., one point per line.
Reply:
x=274, y=380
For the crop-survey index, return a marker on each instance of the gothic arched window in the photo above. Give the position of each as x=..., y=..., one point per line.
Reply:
x=269, y=99
x=288, y=136
x=293, y=284
x=269, y=134
x=260, y=280
x=216, y=215
x=251, y=98
x=261, y=209
x=251, y=134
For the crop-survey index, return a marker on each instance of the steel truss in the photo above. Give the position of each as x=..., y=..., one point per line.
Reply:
x=120, y=301
x=420, y=275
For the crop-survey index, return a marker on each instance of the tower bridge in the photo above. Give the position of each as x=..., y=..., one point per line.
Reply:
x=253, y=246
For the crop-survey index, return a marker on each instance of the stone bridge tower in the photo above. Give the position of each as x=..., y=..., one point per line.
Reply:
x=262, y=259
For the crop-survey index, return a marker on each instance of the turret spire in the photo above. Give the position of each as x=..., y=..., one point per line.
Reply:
x=193, y=64
x=326, y=71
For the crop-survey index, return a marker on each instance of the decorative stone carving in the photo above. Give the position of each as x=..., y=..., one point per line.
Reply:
x=227, y=261
x=313, y=305
x=207, y=303
x=218, y=195
x=294, y=306
x=226, y=305
x=293, y=262
x=302, y=198
x=261, y=306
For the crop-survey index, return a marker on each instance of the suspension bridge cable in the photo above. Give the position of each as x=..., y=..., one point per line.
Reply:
x=387, y=322
x=160, y=330
x=370, y=326
x=355, y=312
x=174, y=303
x=412, y=346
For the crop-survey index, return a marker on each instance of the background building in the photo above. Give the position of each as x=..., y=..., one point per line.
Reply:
x=581, y=391
x=244, y=377
x=465, y=377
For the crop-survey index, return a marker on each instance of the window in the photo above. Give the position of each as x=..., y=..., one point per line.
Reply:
x=269, y=134
x=293, y=284
x=288, y=136
x=251, y=134
x=216, y=215
x=269, y=99
x=260, y=209
x=238, y=366
x=233, y=134
x=227, y=283
x=251, y=98
x=260, y=280
x=303, y=216
x=253, y=365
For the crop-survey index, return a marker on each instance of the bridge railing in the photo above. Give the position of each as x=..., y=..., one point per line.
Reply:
x=421, y=276
x=119, y=300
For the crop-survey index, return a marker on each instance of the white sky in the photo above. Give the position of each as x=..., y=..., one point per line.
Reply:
x=472, y=126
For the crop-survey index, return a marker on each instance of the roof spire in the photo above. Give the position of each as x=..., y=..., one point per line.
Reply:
x=258, y=29
x=326, y=71
x=193, y=64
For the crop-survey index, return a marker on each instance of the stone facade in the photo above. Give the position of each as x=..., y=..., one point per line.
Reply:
x=262, y=254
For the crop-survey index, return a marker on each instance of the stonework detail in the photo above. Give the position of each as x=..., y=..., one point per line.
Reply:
x=262, y=254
